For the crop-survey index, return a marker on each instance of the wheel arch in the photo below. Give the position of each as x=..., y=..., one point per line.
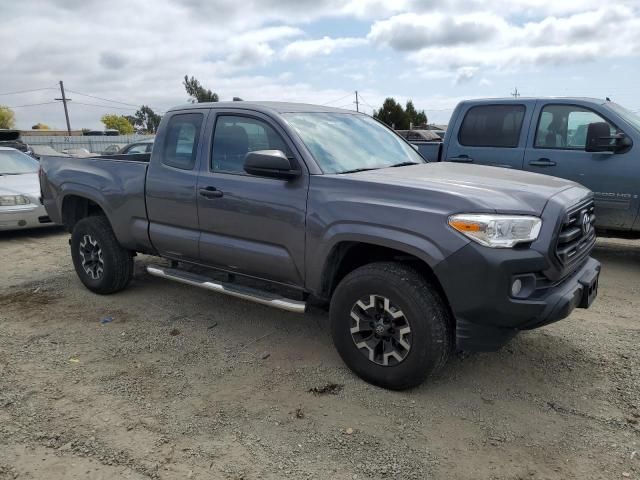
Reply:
x=78, y=205
x=345, y=255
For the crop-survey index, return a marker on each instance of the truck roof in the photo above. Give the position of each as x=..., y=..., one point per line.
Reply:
x=265, y=107
x=598, y=101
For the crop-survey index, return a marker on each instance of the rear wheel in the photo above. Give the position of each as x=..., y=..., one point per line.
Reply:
x=390, y=325
x=101, y=263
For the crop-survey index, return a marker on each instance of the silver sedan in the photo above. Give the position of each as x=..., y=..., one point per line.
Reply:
x=20, y=205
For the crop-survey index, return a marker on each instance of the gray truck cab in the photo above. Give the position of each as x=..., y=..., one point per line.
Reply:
x=551, y=136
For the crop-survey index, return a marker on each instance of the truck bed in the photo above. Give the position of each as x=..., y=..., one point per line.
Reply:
x=115, y=183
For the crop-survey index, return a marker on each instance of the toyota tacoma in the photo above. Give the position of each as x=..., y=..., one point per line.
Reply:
x=301, y=204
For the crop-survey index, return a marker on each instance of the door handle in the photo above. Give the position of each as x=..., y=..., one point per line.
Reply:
x=461, y=159
x=542, y=162
x=210, y=192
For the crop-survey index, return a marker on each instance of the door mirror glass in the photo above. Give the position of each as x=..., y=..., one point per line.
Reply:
x=269, y=163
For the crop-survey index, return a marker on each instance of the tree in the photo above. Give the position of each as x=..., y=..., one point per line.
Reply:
x=147, y=120
x=417, y=119
x=40, y=126
x=197, y=92
x=7, y=117
x=117, y=122
x=392, y=114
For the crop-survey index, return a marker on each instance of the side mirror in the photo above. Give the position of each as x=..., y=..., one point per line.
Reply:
x=270, y=163
x=599, y=139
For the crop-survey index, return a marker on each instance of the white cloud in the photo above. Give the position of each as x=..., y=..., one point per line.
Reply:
x=324, y=46
x=465, y=74
x=410, y=31
x=258, y=49
x=464, y=44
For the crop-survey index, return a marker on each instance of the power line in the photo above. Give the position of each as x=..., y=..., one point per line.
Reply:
x=107, y=106
x=104, y=106
x=337, y=99
x=32, y=104
x=103, y=99
x=28, y=91
x=362, y=100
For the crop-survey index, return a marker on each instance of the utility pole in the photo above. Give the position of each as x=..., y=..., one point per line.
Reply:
x=357, y=103
x=515, y=93
x=64, y=102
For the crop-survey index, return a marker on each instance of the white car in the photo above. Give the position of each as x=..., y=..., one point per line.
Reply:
x=20, y=205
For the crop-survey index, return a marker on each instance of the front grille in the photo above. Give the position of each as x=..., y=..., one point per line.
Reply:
x=577, y=234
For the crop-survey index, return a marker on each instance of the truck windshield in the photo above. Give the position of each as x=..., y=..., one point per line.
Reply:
x=13, y=162
x=627, y=115
x=345, y=142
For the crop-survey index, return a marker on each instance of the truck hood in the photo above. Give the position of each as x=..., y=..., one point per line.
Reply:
x=488, y=188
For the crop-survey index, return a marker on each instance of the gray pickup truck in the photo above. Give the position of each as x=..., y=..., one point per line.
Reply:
x=593, y=142
x=300, y=204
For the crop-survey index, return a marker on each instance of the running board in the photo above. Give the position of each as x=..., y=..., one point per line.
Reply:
x=246, y=293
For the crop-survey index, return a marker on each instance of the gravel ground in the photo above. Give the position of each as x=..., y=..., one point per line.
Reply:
x=184, y=383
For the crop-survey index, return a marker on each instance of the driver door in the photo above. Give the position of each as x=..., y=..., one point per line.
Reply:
x=558, y=148
x=249, y=224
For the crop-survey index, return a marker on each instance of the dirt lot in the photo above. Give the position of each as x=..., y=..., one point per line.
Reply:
x=188, y=384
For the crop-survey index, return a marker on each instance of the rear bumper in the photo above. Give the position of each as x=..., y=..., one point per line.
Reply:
x=477, y=282
x=21, y=217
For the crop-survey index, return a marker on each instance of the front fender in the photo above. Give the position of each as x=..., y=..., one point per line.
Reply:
x=320, y=254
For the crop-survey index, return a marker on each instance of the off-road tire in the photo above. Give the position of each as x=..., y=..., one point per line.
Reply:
x=117, y=262
x=425, y=310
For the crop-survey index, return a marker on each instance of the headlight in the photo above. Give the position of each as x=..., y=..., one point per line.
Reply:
x=13, y=200
x=497, y=231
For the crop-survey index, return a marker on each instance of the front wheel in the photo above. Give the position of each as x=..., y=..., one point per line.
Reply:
x=390, y=325
x=101, y=263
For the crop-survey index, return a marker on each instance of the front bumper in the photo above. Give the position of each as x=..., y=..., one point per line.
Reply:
x=477, y=283
x=24, y=216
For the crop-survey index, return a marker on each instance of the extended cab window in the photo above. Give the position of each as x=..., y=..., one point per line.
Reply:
x=565, y=127
x=181, y=143
x=492, y=126
x=235, y=136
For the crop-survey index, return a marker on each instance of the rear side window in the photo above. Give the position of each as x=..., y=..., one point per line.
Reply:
x=181, y=141
x=492, y=126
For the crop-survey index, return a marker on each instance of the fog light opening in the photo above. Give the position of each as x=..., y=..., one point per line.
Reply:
x=516, y=287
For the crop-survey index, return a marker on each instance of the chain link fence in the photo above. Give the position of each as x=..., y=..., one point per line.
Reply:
x=92, y=144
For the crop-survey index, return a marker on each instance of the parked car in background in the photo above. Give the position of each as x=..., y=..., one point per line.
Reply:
x=112, y=149
x=303, y=203
x=39, y=150
x=101, y=133
x=11, y=139
x=77, y=152
x=20, y=204
x=143, y=146
x=420, y=135
x=593, y=142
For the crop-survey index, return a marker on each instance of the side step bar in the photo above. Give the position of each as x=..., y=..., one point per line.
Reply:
x=246, y=293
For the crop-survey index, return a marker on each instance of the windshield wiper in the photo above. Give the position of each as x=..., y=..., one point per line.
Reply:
x=359, y=170
x=403, y=164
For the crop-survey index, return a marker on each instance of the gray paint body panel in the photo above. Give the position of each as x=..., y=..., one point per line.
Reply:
x=284, y=231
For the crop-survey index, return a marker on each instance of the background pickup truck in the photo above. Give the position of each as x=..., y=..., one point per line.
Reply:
x=298, y=203
x=593, y=142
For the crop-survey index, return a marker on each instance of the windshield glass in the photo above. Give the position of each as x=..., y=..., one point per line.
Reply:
x=627, y=115
x=13, y=162
x=344, y=142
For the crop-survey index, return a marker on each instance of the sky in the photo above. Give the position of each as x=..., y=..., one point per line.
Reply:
x=115, y=56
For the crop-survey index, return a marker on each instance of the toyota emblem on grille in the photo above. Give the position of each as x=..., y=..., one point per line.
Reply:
x=586, y=223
